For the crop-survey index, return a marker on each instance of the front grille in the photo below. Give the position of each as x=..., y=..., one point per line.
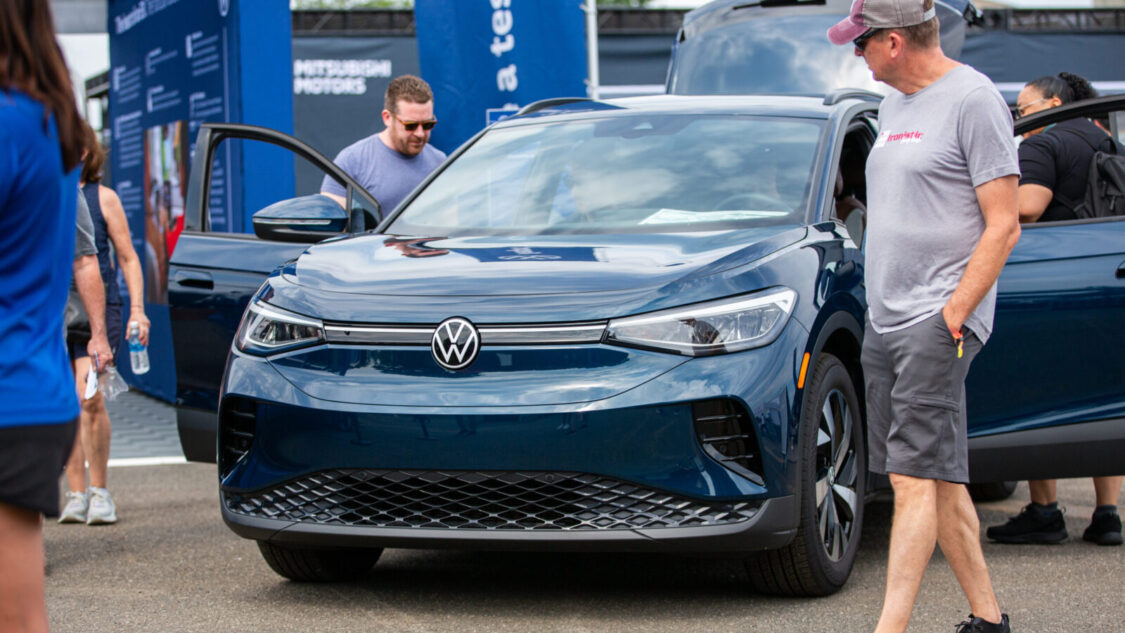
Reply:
x=480, y=501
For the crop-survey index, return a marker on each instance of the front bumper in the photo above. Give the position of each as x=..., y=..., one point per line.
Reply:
x=625, y=472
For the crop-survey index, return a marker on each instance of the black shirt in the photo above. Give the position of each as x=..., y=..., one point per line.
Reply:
x=1059, y=159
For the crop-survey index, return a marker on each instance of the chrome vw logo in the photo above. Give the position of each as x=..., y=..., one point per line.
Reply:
x=455, y=343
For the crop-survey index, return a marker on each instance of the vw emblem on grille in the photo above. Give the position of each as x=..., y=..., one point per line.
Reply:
x=455, y=343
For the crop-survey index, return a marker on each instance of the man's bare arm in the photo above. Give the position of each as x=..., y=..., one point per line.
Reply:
x=339, y=199
x=88, y=281
x=1000, y=207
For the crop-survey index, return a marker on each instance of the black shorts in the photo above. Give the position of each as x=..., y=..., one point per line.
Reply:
x=31, y=459
x=76, y=343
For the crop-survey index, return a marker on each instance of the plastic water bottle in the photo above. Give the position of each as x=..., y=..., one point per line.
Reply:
x=138, y=352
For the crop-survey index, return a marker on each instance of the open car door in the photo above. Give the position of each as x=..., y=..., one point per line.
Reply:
x=212, y=275
x=1047, y=393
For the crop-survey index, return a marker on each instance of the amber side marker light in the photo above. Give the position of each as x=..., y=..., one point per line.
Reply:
x=804, y=369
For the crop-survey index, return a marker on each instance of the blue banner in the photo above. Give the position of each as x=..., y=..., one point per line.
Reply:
x=497, y=55
x=173, y=65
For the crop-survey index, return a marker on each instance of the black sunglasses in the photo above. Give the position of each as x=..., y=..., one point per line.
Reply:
x=413, y=125
x=861, y=41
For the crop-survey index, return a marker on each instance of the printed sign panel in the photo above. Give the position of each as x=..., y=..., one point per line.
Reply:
x=338, y=89
x=175, y=64
x=497, y=54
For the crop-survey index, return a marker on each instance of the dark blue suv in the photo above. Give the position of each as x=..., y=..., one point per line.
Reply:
x=628, y=325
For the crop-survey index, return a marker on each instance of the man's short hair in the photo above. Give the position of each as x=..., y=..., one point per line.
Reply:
x=408, y=88
x=926, y=34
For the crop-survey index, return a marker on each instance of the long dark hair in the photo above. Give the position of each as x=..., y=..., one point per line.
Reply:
x=1068, y=87
x=31, y=61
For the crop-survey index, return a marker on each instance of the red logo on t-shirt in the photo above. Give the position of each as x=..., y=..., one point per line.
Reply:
x=902, y=137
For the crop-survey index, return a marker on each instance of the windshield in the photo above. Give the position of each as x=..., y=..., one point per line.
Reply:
x=622, y=174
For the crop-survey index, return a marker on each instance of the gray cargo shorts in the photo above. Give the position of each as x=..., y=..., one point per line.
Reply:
x=915, y=387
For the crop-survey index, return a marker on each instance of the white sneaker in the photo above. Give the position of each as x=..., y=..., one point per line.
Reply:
x=75, y=509
x=102, y=510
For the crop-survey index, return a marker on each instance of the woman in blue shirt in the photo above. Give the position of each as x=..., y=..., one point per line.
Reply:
x=40, y=146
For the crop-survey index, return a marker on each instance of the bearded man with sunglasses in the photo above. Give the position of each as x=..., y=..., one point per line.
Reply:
x=942, y=219
x=391, y=163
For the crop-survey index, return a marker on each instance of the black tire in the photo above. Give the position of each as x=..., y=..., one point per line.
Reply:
x=834, y=469
x=992, y=491
x=318, y=565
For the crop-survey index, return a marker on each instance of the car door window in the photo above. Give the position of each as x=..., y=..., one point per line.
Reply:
x=225, y=194
x=849, y=185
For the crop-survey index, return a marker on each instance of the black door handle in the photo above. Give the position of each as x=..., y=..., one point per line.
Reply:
x=191, y=279
x=1121, y=271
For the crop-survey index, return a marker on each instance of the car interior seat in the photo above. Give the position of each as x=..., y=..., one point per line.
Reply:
x=850, y=208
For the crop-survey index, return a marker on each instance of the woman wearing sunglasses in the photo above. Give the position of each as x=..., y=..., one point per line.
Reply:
x=391, y=163
x=1055, y=160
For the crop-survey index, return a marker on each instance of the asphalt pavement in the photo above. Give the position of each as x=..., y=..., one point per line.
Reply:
x=170, y=564
x=142, y=431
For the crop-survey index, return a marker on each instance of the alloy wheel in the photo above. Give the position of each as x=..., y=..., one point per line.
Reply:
x=837, y=477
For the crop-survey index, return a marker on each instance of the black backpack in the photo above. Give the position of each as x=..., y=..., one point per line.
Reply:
x=1105, y=183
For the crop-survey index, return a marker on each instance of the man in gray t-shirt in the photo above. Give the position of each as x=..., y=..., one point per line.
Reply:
x=942, y=219
x=88, y=283
x=390, y=164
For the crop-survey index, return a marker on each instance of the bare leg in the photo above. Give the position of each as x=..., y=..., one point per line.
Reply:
x=76, y=464
x=1107, y=489
x=23, y=604
x=1043, y=491
x=95, y=438
x=959, y=537
x=913, y=536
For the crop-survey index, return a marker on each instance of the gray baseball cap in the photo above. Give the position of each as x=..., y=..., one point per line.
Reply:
x=878, y=14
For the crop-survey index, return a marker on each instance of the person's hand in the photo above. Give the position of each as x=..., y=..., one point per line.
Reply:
x=99, y=352
x=137, y=314
x=952, y=321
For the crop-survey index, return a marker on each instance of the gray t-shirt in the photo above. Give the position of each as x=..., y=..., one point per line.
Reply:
x=84, y=230
x=83, y=245
x=924, y=221
x=388, y=175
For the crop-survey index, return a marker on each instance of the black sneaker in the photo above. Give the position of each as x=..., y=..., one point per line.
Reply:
x=1105, y=529
x=979, y=625
x=1030, y=527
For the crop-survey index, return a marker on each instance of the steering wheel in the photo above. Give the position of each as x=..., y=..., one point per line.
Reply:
x=751, y=201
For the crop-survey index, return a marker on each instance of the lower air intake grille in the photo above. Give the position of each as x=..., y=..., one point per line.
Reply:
x=236, y=431
x=480, y=501
x=727, y=436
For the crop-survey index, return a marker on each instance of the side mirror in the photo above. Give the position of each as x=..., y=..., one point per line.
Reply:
x=307, y=219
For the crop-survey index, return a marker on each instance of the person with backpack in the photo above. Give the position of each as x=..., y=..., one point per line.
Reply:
x=1055, y=161
x=1055, y=165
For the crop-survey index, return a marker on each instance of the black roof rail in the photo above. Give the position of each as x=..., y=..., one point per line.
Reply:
x=839, y=94
x=543, y=104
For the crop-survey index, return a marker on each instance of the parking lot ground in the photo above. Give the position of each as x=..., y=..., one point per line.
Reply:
x=171, y=565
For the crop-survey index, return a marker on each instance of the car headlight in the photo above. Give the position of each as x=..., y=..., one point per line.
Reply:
x=267, y=329
x=716, y=327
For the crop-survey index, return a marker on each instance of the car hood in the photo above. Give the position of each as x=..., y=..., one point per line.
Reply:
x=568, y=277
